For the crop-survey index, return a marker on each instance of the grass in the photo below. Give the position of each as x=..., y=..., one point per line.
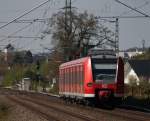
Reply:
x=3, y=111
x=135, y=101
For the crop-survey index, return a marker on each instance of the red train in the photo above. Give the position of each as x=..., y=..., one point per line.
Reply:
x=97, y=78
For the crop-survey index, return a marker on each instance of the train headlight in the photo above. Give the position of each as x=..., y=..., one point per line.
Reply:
x=90, y=84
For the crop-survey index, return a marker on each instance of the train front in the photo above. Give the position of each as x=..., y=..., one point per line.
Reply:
x=108, y=78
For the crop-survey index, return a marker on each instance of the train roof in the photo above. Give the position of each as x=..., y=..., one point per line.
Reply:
x=81, y=60
x=77, y=61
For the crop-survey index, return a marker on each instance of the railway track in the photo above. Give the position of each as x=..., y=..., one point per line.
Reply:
x=124, y=113
x=28, y=102
x=29, y=99
x=31, y=107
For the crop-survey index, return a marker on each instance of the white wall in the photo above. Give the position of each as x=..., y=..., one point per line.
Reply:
x=128, y=73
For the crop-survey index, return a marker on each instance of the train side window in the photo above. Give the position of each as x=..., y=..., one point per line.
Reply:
x=67, y=75
x=76, y=75
x=72, y=75
x=81, y=74
x=71, y=79
x=60, y=79
x=63, y=77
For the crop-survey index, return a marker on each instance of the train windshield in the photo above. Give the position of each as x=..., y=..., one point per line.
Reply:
x=104, y=70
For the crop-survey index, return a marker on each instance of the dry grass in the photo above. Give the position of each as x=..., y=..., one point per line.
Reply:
x=3, y=111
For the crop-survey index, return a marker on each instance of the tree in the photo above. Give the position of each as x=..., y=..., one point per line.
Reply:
x=132, y=83
x=18, y=58
x=9, y=78
x=13, y=75
x=144, y=56
x=28, y=59
x=29, y=73
x=73, y=33
x=144, y=85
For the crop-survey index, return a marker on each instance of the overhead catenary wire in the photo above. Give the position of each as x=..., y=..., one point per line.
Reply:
x=30, y=21
x=41, y=28
x=122, y=16
x=26, y=21
x=19, y=30
x=21, y=37
x=141, y=6
x=43, y=16
x=134, y=9
x=26, y=13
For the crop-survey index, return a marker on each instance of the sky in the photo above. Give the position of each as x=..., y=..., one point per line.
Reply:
x=131, y=31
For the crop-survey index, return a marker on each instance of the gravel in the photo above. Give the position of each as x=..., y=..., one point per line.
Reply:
x=19, y=113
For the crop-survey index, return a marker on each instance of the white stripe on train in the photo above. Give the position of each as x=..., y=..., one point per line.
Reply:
x=76, y=94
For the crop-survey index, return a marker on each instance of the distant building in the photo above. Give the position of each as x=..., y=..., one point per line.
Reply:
x=137, y=69
x=8, y=53
x=24, y=84
x=130, y=54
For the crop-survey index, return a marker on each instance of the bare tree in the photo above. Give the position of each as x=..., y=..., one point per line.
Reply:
x=144, y=87
x=71, y=33
x=132, y=83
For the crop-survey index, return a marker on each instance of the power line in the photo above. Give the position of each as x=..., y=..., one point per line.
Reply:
x=45, y=19
x=141, y=6
x=120, y=17
x=134, y=9
x=105, y=18
x=26, y=21
x=22, y=37
x=30, y=21
x=24, y=14
x=16, y=32
x=50, y=49
x=117, y=22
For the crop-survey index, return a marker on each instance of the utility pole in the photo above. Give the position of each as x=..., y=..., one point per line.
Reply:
x=143, y=44
x=70, y=8
x=68, y=16
x=68, y=27
x=115, y=20
x=117, y=37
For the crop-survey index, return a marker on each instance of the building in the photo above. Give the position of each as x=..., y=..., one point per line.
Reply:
x=137, y=70
x=24, y=84
x=130, y=54
x=8, y=53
